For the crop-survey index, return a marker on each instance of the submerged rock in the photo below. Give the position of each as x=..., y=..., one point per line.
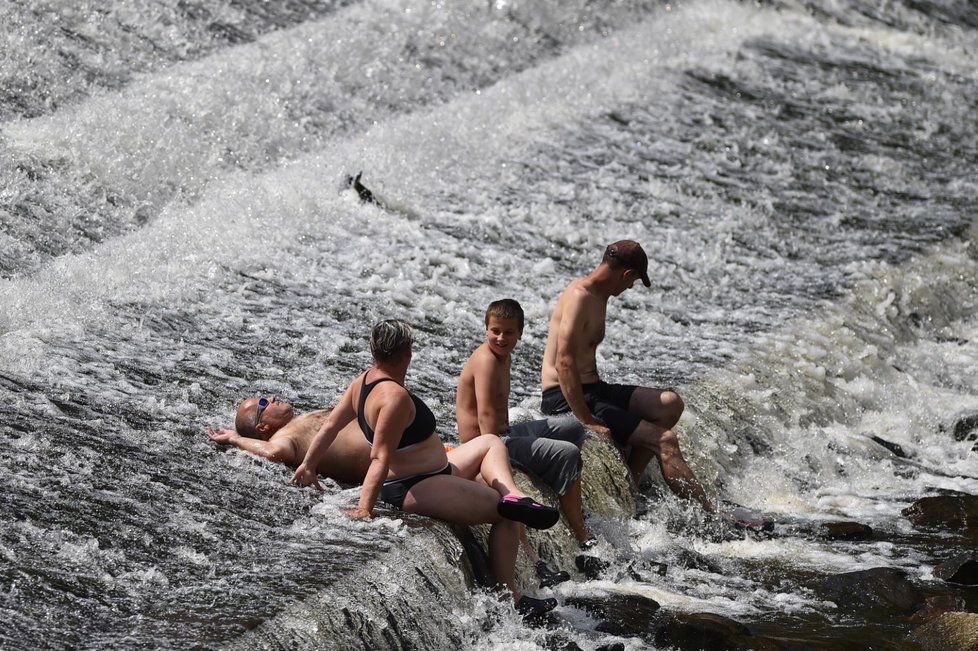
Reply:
x=624, y=614
x=590, y=566
x=949, y=632
x=961, y=569
x=949, y=511
x=703, y=631
x=895, y=448
x=558, y=641
x=692, y=560
x=934, y=607
x=846, y=531
x=881, y=588
x=966, y=427
x=804, y=644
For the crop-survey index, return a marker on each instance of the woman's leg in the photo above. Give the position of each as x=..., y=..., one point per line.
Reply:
x=486, y=455
x=462, y=501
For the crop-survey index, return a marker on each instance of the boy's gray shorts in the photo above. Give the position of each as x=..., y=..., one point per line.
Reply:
x=549, y=449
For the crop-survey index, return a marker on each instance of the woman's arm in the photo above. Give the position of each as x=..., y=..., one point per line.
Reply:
x=396, y=413
x=342, y=414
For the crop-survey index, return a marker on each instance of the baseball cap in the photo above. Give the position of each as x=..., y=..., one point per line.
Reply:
x=630, y=255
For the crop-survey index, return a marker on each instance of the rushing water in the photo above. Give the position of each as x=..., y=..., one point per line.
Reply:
x=176, y=234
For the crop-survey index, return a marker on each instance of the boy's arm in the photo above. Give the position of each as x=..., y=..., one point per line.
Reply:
x=281, y=451
x=487, y=376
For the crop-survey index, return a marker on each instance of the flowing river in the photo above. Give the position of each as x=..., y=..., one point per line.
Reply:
x=176, y=233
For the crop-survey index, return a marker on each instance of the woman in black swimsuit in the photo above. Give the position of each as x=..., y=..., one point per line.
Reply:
x=410, y=469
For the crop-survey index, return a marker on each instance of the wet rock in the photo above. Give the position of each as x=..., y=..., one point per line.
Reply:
x=966, y=427
x=695, y=561
x=846, y=531
x=895, y=448
x=614, y=646
x=961, y=569
x=639, y=570
x=802, y=644
x=590, y=566
x=559, y=641
x=624, y=614
x=881, y=588
x=702, y=631
x=946, y=511
x=949, y=632
x=934, y=607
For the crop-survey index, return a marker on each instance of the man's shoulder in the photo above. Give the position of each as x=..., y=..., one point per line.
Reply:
x=577, y=291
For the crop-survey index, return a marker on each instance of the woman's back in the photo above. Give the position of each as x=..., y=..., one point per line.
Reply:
x=418, y=449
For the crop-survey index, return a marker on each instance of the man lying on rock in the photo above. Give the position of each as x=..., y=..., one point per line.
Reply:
x=268, y=427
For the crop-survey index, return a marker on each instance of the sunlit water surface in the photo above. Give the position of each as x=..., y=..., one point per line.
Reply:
x=176, y=234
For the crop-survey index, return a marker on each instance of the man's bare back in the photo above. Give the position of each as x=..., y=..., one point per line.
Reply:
x=576, y=328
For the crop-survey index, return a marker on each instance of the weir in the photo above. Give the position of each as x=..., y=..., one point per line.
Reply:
x=176, y=234
x=418, y=593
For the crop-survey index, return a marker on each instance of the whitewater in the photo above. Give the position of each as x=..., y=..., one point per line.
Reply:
x=177, y=233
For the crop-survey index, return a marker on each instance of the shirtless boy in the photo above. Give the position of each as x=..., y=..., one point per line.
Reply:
x=267, y=427
x=547, y=448
x=626, y=415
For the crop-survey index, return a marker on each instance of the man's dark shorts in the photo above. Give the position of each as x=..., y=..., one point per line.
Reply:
x=608, y=403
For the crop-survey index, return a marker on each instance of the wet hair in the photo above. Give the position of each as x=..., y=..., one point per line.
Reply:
x=505, y=308
x=389, y=339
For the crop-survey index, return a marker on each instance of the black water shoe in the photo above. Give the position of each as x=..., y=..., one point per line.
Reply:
x=528, y=511
x=548, y=577
x=531, y=607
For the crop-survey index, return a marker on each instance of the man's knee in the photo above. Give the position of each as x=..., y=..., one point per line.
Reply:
x=672, y=406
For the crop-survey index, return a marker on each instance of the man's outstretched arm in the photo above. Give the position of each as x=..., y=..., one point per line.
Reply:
x=277, y=451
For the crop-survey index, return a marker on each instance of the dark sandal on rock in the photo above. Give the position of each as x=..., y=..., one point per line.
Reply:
x=528, y=511
x=531, y=607
x=549, y=578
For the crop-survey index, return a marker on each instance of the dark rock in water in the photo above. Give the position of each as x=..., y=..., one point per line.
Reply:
x=801, y=644
x=702, y=631
x=559, y=642
x=934, y=607
x=615, y=646
x=895, y=448
x=695, y=561
x=966, y=427
x=881, y=588
x=961, y=569
x=946, y=511
x=846, y=531
x=637, y=568
x=949, y=632
x=363, y=192
x=590, y=566
x=475, y=560
x=624, y=614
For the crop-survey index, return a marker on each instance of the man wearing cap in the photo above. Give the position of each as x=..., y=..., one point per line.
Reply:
x=629, y=416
